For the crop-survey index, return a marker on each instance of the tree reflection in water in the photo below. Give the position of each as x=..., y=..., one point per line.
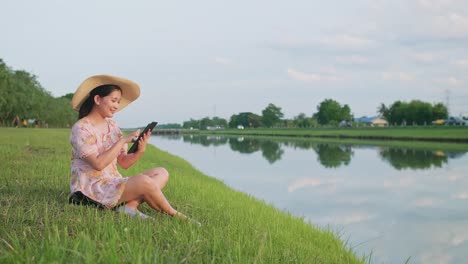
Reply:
x=205, y=140
x=401, y=158
x=330, y=155
x=333, y=156
x=271, y=151
x=246, y=146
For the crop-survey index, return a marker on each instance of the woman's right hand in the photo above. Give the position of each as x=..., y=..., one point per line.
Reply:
x=130, y=137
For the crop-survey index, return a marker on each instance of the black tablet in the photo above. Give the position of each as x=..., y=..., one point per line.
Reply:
x=134, y=147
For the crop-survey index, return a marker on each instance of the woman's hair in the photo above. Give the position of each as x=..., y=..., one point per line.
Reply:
x=102, y=91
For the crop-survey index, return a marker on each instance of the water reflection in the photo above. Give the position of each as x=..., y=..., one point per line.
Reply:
x=412, y=159
x=246, y=146
x=394, y=202
x=271, y=151
x=401, y=158
x=205, y=140
x=333, y=156
x=329, y=155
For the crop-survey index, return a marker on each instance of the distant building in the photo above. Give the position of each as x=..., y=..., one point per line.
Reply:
x=345, y=123
x=373, y=121
x=379, y=122
x=214, y=127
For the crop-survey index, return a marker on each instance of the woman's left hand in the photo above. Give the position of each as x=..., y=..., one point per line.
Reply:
x=143, y=141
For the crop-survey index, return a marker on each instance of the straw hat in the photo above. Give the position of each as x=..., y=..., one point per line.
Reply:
x=130, y=90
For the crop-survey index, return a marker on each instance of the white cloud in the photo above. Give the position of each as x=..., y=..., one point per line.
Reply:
x=424, y=57
x=403, y=181
x=425, y=202
x=434, y=256
x=353, y=218
x=461, y=196
x=307, y=182
x=451, y=81
x=352, y=59
x=463, y=63
x=434, y=4
x=454, y=81
x=345, y=218
x=290, y=41
x=347, y=41
x=397, y=76
x=454, y=177
x=311, y=77
x=459, y=22
x=314, y=182
x=222, y=61
x=451, y=25
x=460, y=238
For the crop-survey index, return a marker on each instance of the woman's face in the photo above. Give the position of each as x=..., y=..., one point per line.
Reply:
x=109, y=104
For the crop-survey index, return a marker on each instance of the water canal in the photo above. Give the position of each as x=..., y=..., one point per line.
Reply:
x=393, y=203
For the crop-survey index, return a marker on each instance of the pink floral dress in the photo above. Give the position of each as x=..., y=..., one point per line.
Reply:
x=105, y=186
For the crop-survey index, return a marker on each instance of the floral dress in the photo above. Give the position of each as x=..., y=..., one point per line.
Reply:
x=105, y=186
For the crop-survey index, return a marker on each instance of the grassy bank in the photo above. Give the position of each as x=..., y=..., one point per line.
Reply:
x=39, y=226
x=436, y=134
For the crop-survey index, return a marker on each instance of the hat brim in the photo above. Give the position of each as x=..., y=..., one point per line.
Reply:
x=130, y=90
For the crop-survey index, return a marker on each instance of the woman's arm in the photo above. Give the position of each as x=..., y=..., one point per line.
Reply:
x=100, y=161
x=126, y=160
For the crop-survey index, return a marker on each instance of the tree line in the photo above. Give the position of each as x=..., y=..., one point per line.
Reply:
x=22, y=96
x=329, y=113
x=415, y=112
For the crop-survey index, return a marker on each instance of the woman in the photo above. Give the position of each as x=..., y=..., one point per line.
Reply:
x=98, y=145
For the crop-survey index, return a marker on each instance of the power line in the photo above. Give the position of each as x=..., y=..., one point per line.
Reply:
x=447, y=99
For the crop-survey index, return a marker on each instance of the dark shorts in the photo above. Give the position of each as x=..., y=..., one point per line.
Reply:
x=80, y=199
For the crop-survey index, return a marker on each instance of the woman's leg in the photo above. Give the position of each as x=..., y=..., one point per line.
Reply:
x=159, y=176
x=142, y=187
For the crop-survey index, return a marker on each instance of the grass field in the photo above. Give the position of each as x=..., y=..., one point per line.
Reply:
x=437, y=134
x=38, y=225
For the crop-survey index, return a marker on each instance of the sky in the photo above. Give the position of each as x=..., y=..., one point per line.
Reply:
x=196, y=59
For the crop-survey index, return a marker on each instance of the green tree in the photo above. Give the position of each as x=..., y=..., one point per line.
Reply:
x=439, y=111
x=271, y=115
x=170, y=126
x=206, y=122
x=68, y=96
x=415, y=112
x=21, y=94
x=246, y=119
x=302, y=121
x=383, y=110
x=218, y=121
x=192, y=123
x=396, y=113
x=330, y=111
x=346, y=113
x=7, y=94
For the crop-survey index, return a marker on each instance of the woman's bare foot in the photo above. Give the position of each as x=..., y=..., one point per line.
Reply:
x=183, y=217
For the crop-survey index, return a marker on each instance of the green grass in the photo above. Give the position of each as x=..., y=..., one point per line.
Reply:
x=438, y=134
x=38, y=225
